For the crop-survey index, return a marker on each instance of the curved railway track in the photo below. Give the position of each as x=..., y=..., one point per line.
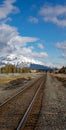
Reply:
x=14, y=112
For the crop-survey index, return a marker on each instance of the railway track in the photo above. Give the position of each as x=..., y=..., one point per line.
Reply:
x=14, y=112
x=23, y=89
x=28, y=109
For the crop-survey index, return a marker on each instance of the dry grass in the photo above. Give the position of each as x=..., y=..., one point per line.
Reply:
x=61, y=77
x=11, y=85
x=8, y=79
x=4, y=80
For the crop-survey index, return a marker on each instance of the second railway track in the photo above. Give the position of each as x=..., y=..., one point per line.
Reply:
x=12, y=111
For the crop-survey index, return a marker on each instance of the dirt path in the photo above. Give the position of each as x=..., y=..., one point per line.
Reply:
x=53, y=113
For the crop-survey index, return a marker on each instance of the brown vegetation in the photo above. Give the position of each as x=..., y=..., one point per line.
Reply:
x=61, y=77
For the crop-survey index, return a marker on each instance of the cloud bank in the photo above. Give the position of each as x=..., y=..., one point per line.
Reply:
x=55, y=14
x=7, y=8
x=12, y=42
x=62, y=46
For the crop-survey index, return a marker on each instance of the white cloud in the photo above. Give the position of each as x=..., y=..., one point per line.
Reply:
x=32, y=54
x=7, y=8
x=33, y=19
x=12, y=43
x=55, y=14
x=40, y=46
x=6, y=33
x=20, y=41
x=6, y=20
x=64, y=56
x=10, y=40
x=62, y=46
x=17, y=59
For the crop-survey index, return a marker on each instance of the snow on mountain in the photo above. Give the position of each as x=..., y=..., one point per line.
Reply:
x=21, y=61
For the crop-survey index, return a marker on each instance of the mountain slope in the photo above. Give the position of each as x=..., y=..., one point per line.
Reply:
x=21, y=61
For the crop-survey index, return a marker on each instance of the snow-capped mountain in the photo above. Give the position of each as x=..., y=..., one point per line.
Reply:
x=21, y=61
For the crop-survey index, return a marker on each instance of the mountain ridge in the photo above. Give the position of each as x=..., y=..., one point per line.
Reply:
x=21, y=61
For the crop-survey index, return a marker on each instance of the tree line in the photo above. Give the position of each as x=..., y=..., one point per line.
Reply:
x=63, y=70
x=13, y=69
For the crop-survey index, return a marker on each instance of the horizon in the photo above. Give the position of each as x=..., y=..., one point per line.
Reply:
x=34, y=30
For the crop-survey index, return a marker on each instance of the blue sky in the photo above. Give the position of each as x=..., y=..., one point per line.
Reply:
x=34, y=29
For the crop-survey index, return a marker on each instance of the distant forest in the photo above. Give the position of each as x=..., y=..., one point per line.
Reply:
x=63, y=70
x=13, y=69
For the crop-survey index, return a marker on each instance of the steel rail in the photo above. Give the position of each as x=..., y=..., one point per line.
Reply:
x=17, y=93
x=29, y=108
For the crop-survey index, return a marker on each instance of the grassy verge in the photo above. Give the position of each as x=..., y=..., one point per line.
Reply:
x=4, y=80
x=61, y=77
